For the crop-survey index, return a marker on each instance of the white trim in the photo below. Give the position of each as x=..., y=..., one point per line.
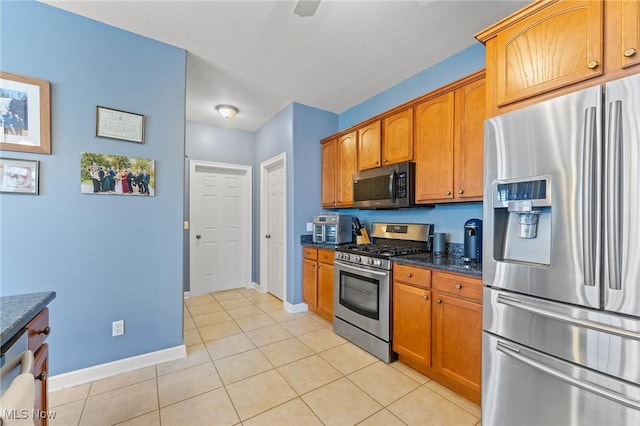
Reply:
x=247, y=172
x=294, y=309
x=264, y=214
x=187, y=295
x=101, y=371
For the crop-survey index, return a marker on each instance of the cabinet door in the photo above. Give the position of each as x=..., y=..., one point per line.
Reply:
x=412, y=323
x=434, y=149
x=630, y=28
x=347, y=166
x=468, y=146
x=458, y=340
x=41, y=372
x=325, y=291
x=369, y=146
x=309, y=283
x=397, y=138
x=329, y=162
x=557, y=46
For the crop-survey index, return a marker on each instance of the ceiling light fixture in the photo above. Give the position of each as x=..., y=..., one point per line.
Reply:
x=227, y=111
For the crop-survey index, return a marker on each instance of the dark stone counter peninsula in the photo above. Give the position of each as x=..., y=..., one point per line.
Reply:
x=17, y=311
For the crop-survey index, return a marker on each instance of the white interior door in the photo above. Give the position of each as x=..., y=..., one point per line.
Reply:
x=219, y=249
x=274, y=225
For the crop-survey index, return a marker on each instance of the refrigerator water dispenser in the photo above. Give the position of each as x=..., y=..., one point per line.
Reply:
x=522, y=220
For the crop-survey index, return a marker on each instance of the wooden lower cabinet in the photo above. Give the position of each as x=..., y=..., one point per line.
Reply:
x=38, y=329
x=317, y=281
x=457, y=344
x=437, y=326
x=412, y=323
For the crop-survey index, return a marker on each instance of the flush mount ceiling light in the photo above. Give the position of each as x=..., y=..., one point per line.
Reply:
x=227, y=111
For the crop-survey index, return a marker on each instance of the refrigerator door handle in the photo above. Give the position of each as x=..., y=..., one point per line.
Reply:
x=519, y=304
x=589, y=194
x=598, y=390
x=613, y=220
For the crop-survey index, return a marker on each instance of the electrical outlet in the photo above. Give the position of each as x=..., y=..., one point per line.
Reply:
x=309, y=227
x=117, y=328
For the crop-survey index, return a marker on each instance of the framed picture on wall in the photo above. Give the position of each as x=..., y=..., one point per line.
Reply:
x=19, y=176
x=25, y=114
x=104, y=174
x=122, y=125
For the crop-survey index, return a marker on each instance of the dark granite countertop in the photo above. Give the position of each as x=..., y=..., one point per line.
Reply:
x=321, y=245
x=445, y=263
x=17, y=311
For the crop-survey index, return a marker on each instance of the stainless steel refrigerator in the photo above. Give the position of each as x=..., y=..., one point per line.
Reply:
x=561, y=264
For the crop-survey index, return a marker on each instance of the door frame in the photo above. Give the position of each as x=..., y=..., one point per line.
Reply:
x=246, y=219
x=264, y=224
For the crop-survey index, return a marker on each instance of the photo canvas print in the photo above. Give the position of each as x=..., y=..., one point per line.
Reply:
x=104, y=174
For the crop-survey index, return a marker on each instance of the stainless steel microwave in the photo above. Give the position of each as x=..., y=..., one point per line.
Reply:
x=386, y=187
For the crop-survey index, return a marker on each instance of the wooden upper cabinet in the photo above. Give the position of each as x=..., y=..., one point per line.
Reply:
x=369, y=146
x=434, y=149
x=629, y=13
x=329, y=163
x=397, y=138
x=347, y=166
x=469, y=118
x=556, y=46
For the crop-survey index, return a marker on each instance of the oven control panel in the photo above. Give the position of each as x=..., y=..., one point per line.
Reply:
x=357, y=259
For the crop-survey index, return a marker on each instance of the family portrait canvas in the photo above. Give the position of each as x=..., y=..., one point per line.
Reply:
x=104, y=174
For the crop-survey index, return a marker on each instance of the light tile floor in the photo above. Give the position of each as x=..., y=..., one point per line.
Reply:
x=252, y=363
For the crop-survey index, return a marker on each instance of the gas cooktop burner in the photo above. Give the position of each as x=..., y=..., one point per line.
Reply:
x=379, y=250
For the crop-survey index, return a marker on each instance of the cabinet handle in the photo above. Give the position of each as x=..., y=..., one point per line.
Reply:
x=630, y=52
x=46, y=331
x=42, y=376
x=386, y=161
x=593, y=65
x=426, y=297
x=461, y=191
x=377, y=162
x=458, y=286
x=409, y=274
x=447, y=193
x=438, y=301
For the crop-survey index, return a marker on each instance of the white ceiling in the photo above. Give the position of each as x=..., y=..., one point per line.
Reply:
x=260, y=56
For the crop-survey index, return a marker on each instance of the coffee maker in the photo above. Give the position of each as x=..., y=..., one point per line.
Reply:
x=473, y=241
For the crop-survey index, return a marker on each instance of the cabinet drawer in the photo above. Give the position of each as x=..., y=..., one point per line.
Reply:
x=325, y=256
x=418, y=277
x=459, y=285
x=309, y=253
x=38, y=329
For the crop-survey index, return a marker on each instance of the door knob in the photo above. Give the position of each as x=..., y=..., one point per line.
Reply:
x=630, y=52
x=268, y=236
x=458, y=286
x=593, y=65
x=426, y=297
x=198, y=236
x=438, y=301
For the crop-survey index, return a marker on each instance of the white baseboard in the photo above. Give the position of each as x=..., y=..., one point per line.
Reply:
x=294, y=309
x=102, y=371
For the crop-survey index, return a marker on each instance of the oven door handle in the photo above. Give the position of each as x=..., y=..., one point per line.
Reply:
x=362, y=270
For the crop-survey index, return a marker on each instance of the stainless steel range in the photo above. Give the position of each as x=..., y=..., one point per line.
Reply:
x=362, y=284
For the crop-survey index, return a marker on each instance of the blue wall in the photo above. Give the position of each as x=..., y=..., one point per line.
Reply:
x=453, y=68
x=107, y=257
x=309, y=126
